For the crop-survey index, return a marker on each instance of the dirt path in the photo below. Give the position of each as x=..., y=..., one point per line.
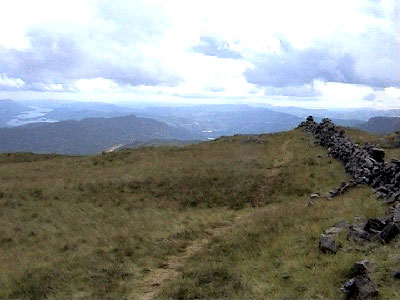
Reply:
x=154, y=280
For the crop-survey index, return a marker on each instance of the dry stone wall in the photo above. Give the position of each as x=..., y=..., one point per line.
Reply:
x=367, y=166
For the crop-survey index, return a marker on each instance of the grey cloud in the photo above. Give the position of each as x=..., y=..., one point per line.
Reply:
x=378, y=58
x=304, y=91
x=295, y=67
x=370, y=97
x=213, y=47
x=369, y=59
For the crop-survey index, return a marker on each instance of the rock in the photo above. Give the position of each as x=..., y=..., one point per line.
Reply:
x=327, y=244
x=374, y=225
x=357, y=234
x=333, y=230
x=377, y=154
x=396, y=214
x=360, y=268
x=315, y=195
x=396, y=274
x=342, y=224
x=389, y=232
x=360, y=288
x=361, y=285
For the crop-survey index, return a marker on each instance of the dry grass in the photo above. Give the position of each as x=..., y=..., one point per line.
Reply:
x=84, y=227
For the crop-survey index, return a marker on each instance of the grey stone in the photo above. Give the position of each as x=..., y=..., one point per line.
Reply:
x=389, y=232
x=357, y=234
x=327, y=244
x=359, y=288
x=374, y=225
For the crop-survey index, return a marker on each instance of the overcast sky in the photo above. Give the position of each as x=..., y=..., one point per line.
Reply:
x=315, y=53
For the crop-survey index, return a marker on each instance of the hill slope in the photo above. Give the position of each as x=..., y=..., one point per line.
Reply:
x=9, y=108
x=87, y=136
x=382, y=125
x=217, y=120
x=231, y=218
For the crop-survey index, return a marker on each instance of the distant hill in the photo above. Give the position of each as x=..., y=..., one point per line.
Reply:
x=217, y=120
x=87, y=136
x=10, y=108
x=382, y=125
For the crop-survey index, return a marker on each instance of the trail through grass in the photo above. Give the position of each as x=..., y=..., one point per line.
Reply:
x=230, y=218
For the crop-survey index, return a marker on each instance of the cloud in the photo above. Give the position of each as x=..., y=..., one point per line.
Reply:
x=303, y=91
x=296, y=67
x=350, y=59
x=114, y=46
x=10, y=84
x=214, y=47
x=370, y=97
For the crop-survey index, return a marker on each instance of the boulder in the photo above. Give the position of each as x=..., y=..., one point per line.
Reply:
x=327, y=244
x=358, y=234
x=377, y=154
x=396, y=274
x=361, y=286
x=389, y=232
x=374, y=225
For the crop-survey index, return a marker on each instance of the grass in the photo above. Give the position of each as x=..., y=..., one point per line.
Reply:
x=95, y=227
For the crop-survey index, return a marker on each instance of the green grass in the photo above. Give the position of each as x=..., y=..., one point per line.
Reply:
x=97, y=226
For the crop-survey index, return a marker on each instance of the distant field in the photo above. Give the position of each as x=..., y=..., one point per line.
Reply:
x=229, y=218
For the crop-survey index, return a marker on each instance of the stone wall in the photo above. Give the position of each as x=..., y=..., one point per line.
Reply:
x=365, y=163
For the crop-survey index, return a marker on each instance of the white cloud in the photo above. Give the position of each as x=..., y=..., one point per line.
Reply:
x=96, y=85
x=11, y=83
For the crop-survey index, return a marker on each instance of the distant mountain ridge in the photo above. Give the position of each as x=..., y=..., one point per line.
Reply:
x=87, y=136
x=382, y=125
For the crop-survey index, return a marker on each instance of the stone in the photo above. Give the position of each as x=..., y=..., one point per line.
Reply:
x=333, y=230
x=361, y=285
x=342, y=224
x=360, y=288
x=315, y=195
x=389, y=232
x=396, y=274
x=327, y=244
x=374, y=225
x=396, y=214
x=377, y=154
x=357, y=234
x=360, y=268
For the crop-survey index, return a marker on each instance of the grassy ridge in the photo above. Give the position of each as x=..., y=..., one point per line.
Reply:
x=81, y=227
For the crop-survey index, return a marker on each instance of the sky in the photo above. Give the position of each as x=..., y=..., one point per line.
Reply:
x=309, y=53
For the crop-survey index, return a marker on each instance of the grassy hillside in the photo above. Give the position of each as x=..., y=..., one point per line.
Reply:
x=229, y=218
